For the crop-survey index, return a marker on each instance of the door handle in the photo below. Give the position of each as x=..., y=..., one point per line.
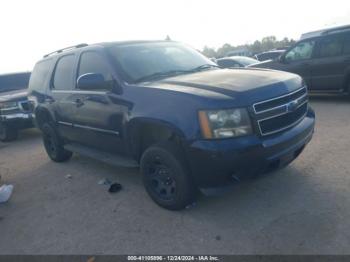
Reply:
x=305, y=64
x=79, y=102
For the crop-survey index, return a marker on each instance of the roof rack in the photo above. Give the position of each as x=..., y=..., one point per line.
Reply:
x=66, y=49
x=324, y=31
x=339, y=28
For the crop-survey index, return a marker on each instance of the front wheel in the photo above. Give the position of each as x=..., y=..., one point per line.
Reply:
x=7, y=133
x=53, y=144
x=166, y=177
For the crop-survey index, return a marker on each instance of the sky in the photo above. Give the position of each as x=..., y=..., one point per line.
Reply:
x=30, y=29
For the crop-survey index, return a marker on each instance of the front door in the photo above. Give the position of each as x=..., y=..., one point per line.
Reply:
x=298, y=60
x=99, y=114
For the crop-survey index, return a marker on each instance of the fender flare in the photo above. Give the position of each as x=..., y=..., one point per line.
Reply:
x=42, y=110
x=133, y=132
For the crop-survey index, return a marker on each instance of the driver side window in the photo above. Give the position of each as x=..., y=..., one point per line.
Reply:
x=93, y=62
x=301, y=51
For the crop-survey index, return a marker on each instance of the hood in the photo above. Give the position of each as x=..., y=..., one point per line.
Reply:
x=250, y=84
x=15, y=95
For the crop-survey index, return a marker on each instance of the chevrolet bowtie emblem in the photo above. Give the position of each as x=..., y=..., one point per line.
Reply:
x=292, y=106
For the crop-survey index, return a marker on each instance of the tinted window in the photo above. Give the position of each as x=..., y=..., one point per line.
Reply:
x=330, y=46
x=269, y=55
x=301, y=51
x=93, y=62
x=245, y=61
x=13, y=82
x=347, y=44
x=263, y=57
x=227, y=63
x=39, y=75
x=64, y=73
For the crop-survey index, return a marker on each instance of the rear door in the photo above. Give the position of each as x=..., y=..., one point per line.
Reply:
x=62, y=99
x=328, y=67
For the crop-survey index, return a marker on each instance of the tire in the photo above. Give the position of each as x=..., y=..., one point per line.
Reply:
x=53, y=144
x=166, y=177
x=7, y=134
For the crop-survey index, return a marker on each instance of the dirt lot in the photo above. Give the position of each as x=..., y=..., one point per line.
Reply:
x=304, y=208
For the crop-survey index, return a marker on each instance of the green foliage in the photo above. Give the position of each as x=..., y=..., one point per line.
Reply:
x=266, y=44
x=209, y=52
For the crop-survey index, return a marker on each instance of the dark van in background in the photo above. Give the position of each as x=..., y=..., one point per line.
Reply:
x=14, y=106
x=322, y=58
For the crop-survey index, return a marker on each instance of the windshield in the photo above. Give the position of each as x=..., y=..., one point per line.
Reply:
x=246, y=60
x=137, y=61
x=14, y=82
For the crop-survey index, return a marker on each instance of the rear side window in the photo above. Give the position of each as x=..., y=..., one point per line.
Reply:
x=39, y=75
x=347, y=44
x=64, y=73
x=330, y=46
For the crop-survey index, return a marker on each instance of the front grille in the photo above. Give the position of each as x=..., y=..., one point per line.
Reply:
x=9, y=111
x=280, y=113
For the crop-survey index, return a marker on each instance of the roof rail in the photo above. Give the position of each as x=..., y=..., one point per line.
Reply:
x=339, y=28
x=66, y=49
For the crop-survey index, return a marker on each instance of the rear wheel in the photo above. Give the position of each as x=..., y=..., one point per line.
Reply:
x=54, y=145
x=7, y=133
x=166, y=177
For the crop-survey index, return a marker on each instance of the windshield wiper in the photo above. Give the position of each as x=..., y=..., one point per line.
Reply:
x=175, y=72
x=203, y=67
x=160, y=74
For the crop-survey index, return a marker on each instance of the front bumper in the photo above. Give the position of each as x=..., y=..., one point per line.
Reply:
x=18, y=120
x=214, y=163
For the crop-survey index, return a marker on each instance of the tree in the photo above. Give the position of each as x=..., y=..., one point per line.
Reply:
x=256, y=47
x=222, y=51
x=266, y=44
x=209, y=52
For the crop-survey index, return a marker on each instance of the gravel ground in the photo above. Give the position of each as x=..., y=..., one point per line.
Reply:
x=303, y=209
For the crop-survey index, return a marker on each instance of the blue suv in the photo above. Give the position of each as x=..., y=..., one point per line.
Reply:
x=165, y=108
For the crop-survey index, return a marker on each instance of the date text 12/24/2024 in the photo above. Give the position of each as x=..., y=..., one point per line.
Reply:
x=173, y=258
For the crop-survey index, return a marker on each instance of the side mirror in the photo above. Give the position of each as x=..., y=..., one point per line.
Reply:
x=92, y=81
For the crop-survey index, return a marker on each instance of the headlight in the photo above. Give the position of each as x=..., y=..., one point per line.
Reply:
x=225, y=123
x=4, y=105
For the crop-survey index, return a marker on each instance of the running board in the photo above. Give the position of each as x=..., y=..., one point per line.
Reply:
x=108, y=158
